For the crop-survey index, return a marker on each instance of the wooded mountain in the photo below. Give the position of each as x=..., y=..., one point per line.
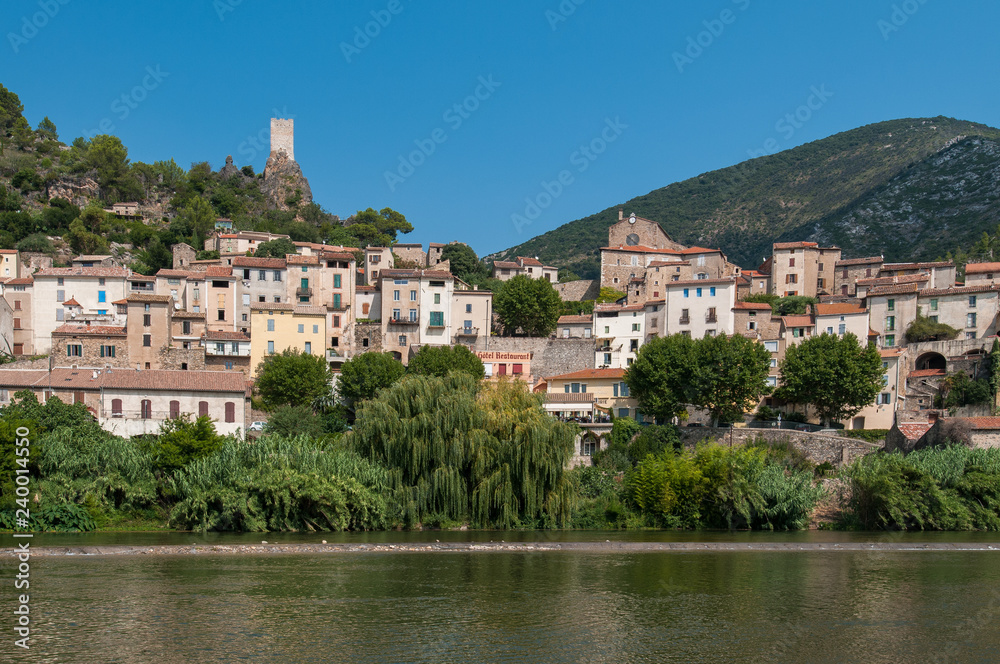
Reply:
x=909, y=189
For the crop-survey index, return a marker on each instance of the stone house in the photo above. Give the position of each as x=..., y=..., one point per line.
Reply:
x=227, y=351
x=972, y=432
x=849, y=271
x=803, y=268
x=90, y=346
x=979, y=274
x=149, y=328
x=94, y=288
x=575, y=327
x=841, y=318
x=527, y=267
x=942, y=273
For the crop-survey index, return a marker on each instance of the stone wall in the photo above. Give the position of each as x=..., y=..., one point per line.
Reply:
x=173, y=358
x=370, y=331
x=218, y=363
x=91, y=351
x=184, y=255
x=578, y=291
x=819, y=448
x=550, y=357
x=32, y=262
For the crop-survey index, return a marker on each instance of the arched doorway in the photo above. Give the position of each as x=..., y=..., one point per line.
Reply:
x=931, y=361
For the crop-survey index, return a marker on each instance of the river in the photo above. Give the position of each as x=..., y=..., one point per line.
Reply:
x=883, y=606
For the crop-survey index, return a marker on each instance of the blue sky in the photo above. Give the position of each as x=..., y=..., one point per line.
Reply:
x=617, y=98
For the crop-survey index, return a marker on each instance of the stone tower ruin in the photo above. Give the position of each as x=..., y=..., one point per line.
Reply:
x=283, y=137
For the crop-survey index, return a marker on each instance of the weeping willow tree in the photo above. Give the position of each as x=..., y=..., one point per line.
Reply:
x=485, y=453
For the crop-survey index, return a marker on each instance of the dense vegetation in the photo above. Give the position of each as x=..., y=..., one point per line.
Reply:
x=827, y=191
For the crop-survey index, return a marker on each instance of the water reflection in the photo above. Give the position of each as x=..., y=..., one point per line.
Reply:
x=516, y=607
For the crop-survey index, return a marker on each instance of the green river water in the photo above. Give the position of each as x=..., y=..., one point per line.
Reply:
x=742, y=606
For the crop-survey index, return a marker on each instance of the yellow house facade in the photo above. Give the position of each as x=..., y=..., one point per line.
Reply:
x=276, y=327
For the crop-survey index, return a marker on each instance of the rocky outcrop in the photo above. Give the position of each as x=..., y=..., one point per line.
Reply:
x=78, y=191
x=284, y=184
x=229, y=170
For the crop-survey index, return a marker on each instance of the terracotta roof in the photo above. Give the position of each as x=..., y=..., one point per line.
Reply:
x=140, y=277
x=858, y=261
x=982, y=268
x=633, y=307
x=92, y=330
x=82, y=272
x=754, y=274
x=276, y=306
x=641, y=249
x=92, y=257
x=927, y=373
x=20, y=377
x=916, y=266
x=179, y=274
x=302, y=260
x=71, y=302
x=756, y=306
x=794, y=245
x=590, y=373
x=533, y=262
x=365, y=289
x=702, y=282
x=506, y=265
x=23, y=281
x=890, y=352
x=700, y=250
x=150, y=299
x=983, y=422
x=959, y=290
x=435, y=244
x=171, y=381
x=607, y=306
x=838, y=309
x=914, y=430
x=338, y=256
x=187, y=314
x=122, y=301
x=260, y=263
x=668, y=263
x=217, y=271
x=225, y=335
x=901, y=289
x=8, y=251
x=570, y=320
x=797, y=321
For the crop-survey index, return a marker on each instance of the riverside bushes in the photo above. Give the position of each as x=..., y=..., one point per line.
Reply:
x=944, y=488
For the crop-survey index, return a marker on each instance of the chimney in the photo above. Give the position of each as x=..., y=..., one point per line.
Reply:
x=621, y=213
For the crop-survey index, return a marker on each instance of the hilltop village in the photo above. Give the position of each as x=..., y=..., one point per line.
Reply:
x=139, y=350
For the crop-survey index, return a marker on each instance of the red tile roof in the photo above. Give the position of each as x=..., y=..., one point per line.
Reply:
x=959, y=290
x=927, y=373
x=179, y=274
x=8, y=251
x=217, y=271
x=533, y=262
x=563, y=397
x=149, y=299
x=754, y=306
x=914, y=430
x=838, y=309
x=71, y=302
x=23, y=281
x=858, y=261
x=506, y=265
x=982, y=268
x=641, y=249
x=260, y=263
x=915, y=266
x=570, y=320
x=173, y=381
x=983, y=422
x=891, y=281
x=901, y=289
x=590, y=373
x=702, y=282
x=91, y=330
x=225, y=335
x=794, y=245
x=797, y=321
x=890, y=352
x=82, y=272
x=700, y=250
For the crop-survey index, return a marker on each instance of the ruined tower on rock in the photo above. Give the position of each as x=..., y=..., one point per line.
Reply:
x=284, y=183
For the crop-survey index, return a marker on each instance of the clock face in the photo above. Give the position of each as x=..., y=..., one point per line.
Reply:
x=631, y=219
x=632, y=239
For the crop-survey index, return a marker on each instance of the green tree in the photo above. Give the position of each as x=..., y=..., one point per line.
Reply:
x=83, y=241
x=181, y=441
x=730, y=376
x=924, y=329
x=11, y=109
x=440, y=360
x=465, y=264
x=275, y=248
x=378, y=228
x=792, y=305
x=47, y=129
x=464, y=450
x=200, y=217
x=37, y=242
x=835, y=374
x=294, y=420
x=531, y=306
x=109, y=157
x=291, y=378
x=661, y=376
x=363, y=376
x=609, y=295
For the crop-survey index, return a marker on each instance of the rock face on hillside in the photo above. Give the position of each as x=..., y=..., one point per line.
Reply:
x=78, y=191
x=284, y=184
x=229, y=170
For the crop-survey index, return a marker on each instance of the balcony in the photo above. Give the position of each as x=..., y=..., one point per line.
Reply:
x=685, y=320
x=711, y=318
x=403, y=321
x=303, y=292
x=333, y=354
x=468, y=332
x=343, y=306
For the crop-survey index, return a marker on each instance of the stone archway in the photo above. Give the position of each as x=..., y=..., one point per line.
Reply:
x=931, y=360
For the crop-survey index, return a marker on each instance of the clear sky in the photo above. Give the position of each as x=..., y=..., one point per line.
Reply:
x=619, y=97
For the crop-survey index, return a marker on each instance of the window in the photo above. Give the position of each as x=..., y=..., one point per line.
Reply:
x=175, y=409
x=711, y=291
x=336, y=300
x=147, y=340
x=884, y=399
x=771, y=346
x=305, y=268
x=116, y=408
x=772, y=381
x=276, y=275
x=365, y=307
x=413, y=297
x=102, y=296
x=623, y=412
x=752, y=325
x=890, y=340
x=261, y=275
x=17, y=323
x=845, y=273
x=186, y=327
x=302, y=328
x=970, y=320
x=698, y=292
x=468, y=308
x=107, y=351
x=277, y=300
x=309, y=348
x=934, y=304
x=230, y=411
x=437, y=319
x=364, y=342
x=829, y=330
x=74, y=350
x=147, y=320
x=220, y=347
x=774, y=363
x=972, y=301
x=246, y=299
x=17, y=305
x=891, y=304
x=202, y=408
x=791, y=278
x=246, y=274
x=146, y=409
x=791, y=262
x=60, y=295
x=517, y=369
x=607, y=358
x=890, y=323
x=60, y=282
x=270, y=348
x=395, y=296
x=413, y=315
x=270, y=325
x=402, y=340
x=636, y=326
x=468, y=326
x=335, y=342
x=686, y=293
x=820, y=267
x=316, y=328
x=842, y=328
x=304, y=283
x=336, y=323
x=437, y=298
x=59, y=314
x=396, y=315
